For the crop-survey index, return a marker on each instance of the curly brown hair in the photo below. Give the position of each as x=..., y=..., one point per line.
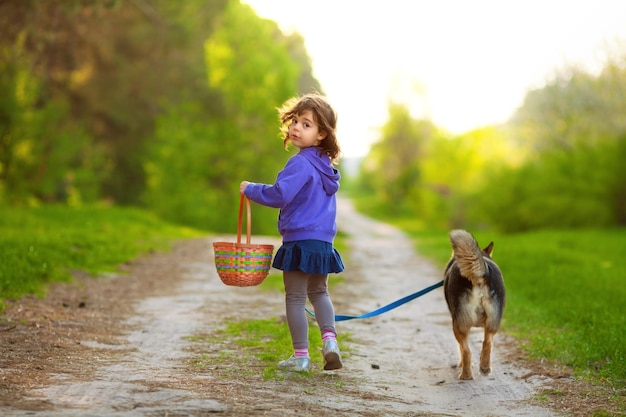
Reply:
x=323, y=114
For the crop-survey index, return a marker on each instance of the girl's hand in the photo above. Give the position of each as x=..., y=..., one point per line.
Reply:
x=242, y=186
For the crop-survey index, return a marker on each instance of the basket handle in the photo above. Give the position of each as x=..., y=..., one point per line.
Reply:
x=248, y=220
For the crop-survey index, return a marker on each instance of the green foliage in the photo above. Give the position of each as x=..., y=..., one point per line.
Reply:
x=253, y=79
x=416, y=168
x=165, y=105
x=393, y=168
x=557, y=164
x=455, y=166
x=565, y=293
x=197, y=159
x=575, y=136
x=45, y=244
x=43, y=156
x=582, y=187
x=574, y=108
x=89, y=77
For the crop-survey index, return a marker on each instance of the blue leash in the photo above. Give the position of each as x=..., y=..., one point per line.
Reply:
x=404, y=300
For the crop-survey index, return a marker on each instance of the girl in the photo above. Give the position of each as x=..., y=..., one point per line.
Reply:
x=305, y=192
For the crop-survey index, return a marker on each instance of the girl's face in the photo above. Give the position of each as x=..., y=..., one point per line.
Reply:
x=304, y=132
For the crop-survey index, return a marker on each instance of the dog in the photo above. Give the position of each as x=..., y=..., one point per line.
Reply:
x=475, y=293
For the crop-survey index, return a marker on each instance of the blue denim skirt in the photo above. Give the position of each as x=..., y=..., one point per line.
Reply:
x=310, y=256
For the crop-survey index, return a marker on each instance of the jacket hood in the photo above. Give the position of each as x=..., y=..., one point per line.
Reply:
x=329, y=175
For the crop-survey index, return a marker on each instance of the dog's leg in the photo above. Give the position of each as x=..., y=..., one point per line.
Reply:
x=464, y=351
x=485, y=353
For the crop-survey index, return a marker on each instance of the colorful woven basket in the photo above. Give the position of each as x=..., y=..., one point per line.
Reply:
x=243, y=264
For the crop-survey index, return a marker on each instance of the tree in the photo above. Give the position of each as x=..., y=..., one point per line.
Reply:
x=393, y=169
x=198, y=157
x=112, y=67
x=575, y=107
x=574, y=174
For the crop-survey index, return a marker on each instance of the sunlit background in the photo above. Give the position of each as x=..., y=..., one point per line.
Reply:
x=463, y=64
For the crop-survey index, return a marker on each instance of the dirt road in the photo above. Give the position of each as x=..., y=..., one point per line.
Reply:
x=125, y=345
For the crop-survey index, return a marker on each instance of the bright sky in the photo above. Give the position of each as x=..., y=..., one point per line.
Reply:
x=463, y=64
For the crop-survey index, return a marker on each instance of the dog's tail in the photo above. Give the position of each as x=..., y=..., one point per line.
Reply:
x=467, y=253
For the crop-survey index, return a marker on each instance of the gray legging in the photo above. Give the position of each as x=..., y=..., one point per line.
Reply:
x=299, y=285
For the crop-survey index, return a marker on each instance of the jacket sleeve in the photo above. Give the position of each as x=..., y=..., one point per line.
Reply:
x=289, y=182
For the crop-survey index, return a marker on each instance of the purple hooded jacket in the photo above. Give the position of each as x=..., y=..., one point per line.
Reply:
x=305, y=192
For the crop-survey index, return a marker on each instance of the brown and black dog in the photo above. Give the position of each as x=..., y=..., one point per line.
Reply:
x=475, y=294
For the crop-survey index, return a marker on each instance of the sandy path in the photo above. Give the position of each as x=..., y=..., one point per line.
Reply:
x=400, y=363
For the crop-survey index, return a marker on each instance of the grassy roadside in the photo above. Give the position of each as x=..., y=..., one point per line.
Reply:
x=565, y=292
x=45, y=244
x=566, y=295
x=265, y=342
x=42, y=245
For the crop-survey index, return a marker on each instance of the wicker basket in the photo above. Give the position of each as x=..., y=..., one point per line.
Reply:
x=243, y=264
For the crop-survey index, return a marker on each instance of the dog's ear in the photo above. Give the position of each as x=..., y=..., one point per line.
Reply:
x=489, y=249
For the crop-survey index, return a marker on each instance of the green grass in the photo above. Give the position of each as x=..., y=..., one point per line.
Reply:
x=270, y=342
x=262, y=344
x=273, y=282
x=44, y=244
x=566, y=292
x=567, y=297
